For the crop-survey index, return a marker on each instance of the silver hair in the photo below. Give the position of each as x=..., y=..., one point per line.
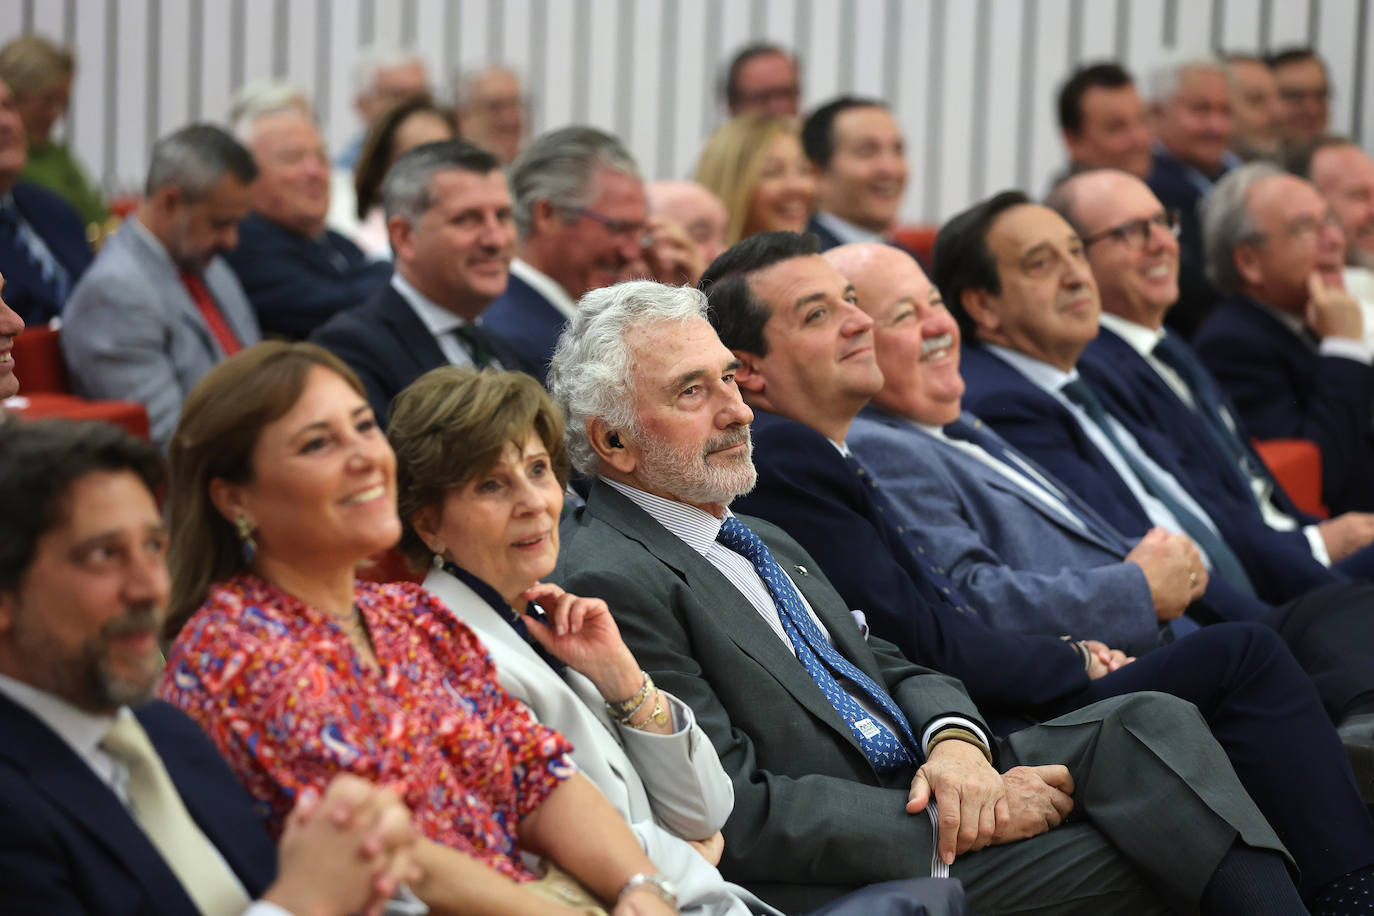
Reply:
x=195, y=158
x=465, y=82
x=1227, y=223
x=1168, y=75
x=261, y=98
x=408, y=189
x=379, y=57
x=560, y=166
x=592, y=368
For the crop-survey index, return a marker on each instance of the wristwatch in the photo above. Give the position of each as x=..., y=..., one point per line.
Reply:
x=655, y=883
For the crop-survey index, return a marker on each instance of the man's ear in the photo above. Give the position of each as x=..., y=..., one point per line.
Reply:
x=612, y=446
x=9, y=606
x=227, y=499
x=1248, y=264
x=975, y=303
x=400, y=233
x=747, y=376
x=545, y=216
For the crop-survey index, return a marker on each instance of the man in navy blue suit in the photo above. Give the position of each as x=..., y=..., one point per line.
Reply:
x=108, y=802
x=860, y=160
x=43, y=249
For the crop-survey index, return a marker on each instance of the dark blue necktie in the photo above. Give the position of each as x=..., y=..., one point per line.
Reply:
x=980, y=434
x=884, y=749
x=1224, y=560
x=478, y=347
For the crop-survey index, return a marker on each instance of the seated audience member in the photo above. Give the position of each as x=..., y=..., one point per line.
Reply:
x=410, y=124
x=581, y=223
x=110, y=802
x=764, y=79
x=481, y=468
x=835, y=741
x=1305, y=89
x=859, y=156
x=1190, y=108
x=1157, y=384
x=382, y=79
x=1256, y=108
x=1343, y=174
x=696, y=209
x=40, y=73
x=1102, y=121
x=43, y=249
x=10, y=327
x=1287, y=344
x=281, y=483
x=754, y=164
x=449, y=215
x=296, y=272
x=159, y=306
x=491, y=109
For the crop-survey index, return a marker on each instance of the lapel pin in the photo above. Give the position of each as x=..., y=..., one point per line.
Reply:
x=801, y=570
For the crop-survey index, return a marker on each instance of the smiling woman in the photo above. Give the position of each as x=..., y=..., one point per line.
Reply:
x=281, y=483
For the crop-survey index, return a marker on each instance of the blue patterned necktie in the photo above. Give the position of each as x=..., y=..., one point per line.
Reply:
x=1224, y=561
x=884, y=749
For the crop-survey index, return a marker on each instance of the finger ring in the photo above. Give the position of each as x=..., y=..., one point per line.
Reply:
x=1192, y=578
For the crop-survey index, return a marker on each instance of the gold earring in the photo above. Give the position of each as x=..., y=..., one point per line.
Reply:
x=245, y=532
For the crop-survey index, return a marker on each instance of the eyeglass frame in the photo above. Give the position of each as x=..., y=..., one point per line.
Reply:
x=617, y=227
x=1303, y=225
x=1137, y=232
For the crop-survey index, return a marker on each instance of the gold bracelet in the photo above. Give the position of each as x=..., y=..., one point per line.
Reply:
x=659, y=716
x=622, y=711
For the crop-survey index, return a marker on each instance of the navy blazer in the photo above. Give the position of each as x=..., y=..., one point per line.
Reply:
x=827, y=238
x=806, y=488
x=295, y=283
x=1284, y=389
x=68, y=847
x=1170, y=182
x=1038, y=424
x=60, y=227
x=388, y=346
x=529, y=323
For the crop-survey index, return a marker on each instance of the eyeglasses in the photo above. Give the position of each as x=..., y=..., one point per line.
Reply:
x=1292, y=94
x=1136, y=233
x=621, y=228
x=1304, y=227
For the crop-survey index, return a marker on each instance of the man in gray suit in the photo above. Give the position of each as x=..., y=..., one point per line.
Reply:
x=837, y=745
x=159, y=307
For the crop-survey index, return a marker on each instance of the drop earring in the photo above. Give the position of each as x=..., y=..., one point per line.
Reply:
x=245, y=532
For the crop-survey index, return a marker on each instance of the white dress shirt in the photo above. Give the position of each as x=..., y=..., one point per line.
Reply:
x=439, y=321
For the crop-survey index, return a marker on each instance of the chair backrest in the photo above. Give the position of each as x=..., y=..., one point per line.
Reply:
x=1297, y=465
x=38, y=362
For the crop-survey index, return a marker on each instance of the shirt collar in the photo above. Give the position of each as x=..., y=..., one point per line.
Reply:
x=846, y=231
x=697, y=527
x=83, y=731
x=435, y=317
x=545, y=286
x=1043, y=375
x=1141, y=338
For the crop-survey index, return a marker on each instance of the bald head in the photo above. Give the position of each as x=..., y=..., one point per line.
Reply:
x=916, y=340
x=693, y=207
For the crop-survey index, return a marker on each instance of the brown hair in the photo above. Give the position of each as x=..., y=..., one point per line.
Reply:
x=219, y=428
x=733, y=159
x=451, y=425
x=32, y=63
x=378, y=149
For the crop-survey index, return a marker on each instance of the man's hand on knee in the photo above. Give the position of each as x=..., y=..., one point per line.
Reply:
x=1038, y=800
x=969, y=793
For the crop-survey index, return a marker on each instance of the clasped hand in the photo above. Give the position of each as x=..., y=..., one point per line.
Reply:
x=980, y=807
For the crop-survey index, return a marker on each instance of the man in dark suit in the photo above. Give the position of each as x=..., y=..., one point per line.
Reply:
x=449, y=215
x=297, y=273
x=1287, y=344
x=108, y=802
x=834, y=741
x=43, y=249
x=858, y=152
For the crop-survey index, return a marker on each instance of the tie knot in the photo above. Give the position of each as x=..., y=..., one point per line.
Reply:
x=737, y=536
x=127, y=741
x=1078, y=391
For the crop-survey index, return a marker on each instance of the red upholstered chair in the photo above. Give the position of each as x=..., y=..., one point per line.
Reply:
x=38, y=362
x=39, y=405
x=920, y=240
x=388, y=566
x=1297, y=464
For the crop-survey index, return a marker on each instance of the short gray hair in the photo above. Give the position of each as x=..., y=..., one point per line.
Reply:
x=261, y=98
x=1168, y=75
x=465, y=83
x=590, y=375
x=560, y=166
x=380, y=57
x=195, y=158
x=407, y=189
x=1227, y=223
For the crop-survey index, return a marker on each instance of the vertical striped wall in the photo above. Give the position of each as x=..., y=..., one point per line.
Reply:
x=971, y=81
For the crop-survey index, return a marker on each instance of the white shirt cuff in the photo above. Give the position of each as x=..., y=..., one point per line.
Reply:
x=948, y=721
x=263, y=908
x=1346, y=348
x=1319, y=551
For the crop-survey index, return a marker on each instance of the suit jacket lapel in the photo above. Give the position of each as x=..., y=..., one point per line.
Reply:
x=723, y=601
x=416, y=343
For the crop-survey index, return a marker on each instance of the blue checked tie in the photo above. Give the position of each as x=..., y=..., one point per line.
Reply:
x=885, y=750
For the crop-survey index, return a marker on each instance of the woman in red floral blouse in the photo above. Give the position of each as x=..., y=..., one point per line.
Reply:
x=281, y=483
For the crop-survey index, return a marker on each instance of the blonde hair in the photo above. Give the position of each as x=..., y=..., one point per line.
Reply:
x=32, y=63
x=451, y=425
x=732, y=161
x=219, y=428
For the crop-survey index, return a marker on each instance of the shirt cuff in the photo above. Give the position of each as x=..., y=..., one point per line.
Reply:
x=1318, y=543
x=1346, y=348
x=944, y=722
x=263, y=908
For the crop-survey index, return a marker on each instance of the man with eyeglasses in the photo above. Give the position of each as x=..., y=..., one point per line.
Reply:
x=1305, y=90
x=1287, y=344
x=581, y=223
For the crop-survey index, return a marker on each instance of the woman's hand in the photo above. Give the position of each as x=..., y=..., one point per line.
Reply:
x=582, y=634
x=642, y=903
x=711, y=847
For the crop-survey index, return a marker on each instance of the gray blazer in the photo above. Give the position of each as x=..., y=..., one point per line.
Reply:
x=1022, y=565
x=674, y=780
x=131, y=332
